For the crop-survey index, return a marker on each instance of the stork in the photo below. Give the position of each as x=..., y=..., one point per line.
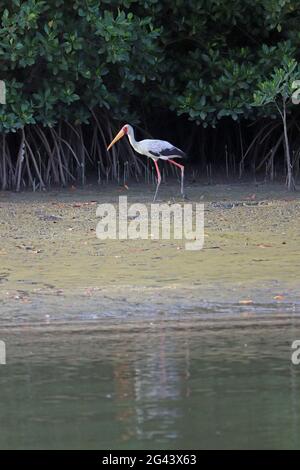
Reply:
x=154, y=149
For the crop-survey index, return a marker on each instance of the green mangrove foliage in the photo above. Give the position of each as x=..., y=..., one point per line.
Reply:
x=75, y=70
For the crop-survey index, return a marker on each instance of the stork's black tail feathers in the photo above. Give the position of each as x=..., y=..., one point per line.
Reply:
x=174, y=152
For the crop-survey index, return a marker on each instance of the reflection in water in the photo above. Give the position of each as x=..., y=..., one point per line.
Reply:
x=148, y=384
x=169, y=383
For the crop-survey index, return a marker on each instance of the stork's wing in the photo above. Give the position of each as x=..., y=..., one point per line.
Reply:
x=162, y=148
x=172, y=152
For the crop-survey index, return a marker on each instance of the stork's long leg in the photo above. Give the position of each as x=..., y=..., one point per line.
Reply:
x=158, y=179
x=182, y=174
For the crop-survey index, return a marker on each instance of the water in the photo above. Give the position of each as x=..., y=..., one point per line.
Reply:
x=168, y=382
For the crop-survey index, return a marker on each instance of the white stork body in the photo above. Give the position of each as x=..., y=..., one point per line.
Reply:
x=154, y=149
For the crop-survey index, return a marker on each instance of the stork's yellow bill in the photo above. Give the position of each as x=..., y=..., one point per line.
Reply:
x=119, y=136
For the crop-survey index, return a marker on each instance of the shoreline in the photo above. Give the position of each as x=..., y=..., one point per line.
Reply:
x=49, y=249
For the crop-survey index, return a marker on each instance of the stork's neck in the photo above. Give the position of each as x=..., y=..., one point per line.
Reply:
x=132, y=140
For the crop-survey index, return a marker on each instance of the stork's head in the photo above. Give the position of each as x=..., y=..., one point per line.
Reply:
x=124, y=131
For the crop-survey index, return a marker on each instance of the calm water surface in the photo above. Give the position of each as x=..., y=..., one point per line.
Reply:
x=168, y=382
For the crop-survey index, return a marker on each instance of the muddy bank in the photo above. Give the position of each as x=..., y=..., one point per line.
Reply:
x=50, y=255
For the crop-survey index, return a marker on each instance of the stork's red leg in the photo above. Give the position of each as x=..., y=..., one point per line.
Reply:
x=158, y=178
x=182, y=174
